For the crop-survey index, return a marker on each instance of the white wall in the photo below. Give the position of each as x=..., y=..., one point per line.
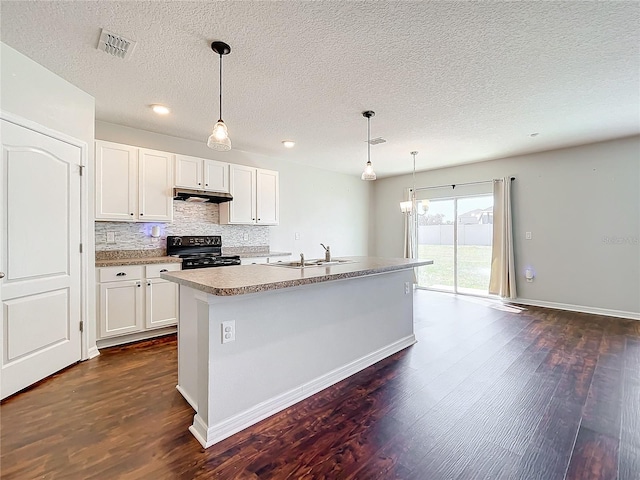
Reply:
x=322, y=206
x=582, y=206
x=32, y=92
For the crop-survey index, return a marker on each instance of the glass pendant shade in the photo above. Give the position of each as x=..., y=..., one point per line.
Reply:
x=219, y=139
x=368, y=173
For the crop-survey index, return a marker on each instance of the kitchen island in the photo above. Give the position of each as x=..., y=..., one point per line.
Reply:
x=255, y=339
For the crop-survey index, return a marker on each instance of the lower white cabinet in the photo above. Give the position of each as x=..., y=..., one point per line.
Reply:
x=133, y=299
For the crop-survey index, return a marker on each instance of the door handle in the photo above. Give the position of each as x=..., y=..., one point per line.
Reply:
x=1, y=274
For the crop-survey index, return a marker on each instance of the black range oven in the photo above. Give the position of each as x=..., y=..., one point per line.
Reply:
x=200, y=251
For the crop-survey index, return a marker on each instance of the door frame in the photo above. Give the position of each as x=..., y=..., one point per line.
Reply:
x=86, y=351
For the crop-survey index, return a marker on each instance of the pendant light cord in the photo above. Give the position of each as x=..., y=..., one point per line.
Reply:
x=368, y=139
x=220, y=88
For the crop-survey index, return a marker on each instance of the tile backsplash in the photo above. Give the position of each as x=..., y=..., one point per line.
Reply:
x=188, y=219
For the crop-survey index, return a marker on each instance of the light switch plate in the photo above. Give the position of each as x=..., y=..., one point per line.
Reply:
x=527, y=235
x=111, y=237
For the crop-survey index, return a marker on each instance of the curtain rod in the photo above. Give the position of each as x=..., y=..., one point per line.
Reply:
x=453, y=185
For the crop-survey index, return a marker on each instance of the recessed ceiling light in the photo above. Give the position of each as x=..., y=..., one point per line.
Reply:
x=161, y=109
x=534, y=134
x=288, y=143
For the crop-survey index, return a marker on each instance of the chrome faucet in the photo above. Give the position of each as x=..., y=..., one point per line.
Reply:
x=327, y=253
x=302, y=259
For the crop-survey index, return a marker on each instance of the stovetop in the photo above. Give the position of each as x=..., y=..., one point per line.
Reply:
x=200, y=251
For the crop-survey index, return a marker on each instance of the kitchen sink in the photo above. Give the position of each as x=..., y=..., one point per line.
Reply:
x=310, y=263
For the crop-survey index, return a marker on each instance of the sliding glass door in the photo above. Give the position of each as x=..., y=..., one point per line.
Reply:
x=456, y=233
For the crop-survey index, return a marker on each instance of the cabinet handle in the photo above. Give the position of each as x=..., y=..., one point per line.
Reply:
x=120, y=274
x=138, y=285
x=141, y=214
x=131, y=214
x=258, y=219
x=206, y=184
x=148, y=284
x=199, y=183
x=164, y=270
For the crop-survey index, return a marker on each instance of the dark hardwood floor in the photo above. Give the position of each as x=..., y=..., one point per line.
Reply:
x=485, y=394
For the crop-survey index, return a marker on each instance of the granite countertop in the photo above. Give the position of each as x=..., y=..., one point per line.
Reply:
x=239, y=280
x=248, y=253
x=117, y=258
x=136, y=261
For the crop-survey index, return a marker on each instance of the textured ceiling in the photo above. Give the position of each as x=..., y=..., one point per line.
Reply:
x=457, y=81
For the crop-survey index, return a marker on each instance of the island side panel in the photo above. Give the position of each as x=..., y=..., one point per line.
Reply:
x=293, y=342
x=187, y=344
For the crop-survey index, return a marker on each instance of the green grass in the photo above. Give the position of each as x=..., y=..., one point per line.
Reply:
x=474, y=267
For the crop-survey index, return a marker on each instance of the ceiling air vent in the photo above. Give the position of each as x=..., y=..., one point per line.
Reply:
x=376, y=141
x=116, y=45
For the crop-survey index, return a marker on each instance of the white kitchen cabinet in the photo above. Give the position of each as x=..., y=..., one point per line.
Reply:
x=161, y=298
x=116, y=181
x=202, y=174
x=256, y=197
x=155, y=187
x=120, y=301
x=267, y=197
x=134, y=299
x=133, y=184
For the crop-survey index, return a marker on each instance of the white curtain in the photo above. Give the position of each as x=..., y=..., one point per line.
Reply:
x=409, y=229
x=503, y=274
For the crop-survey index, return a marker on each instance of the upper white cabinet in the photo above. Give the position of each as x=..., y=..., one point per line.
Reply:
x=133, y=184
x=267, y=197
x=256, y=197
x=202, y=174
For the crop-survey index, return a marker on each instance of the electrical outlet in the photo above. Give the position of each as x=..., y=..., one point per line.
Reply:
x=245, y=236
x=527, y=235
x=111, y=237
x=407, y=288
x=229, y=331
x=297, y=236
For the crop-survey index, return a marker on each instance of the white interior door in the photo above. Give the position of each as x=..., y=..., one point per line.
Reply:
x=40, y=256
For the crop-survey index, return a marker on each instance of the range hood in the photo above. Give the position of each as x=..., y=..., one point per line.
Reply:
x=200, y=196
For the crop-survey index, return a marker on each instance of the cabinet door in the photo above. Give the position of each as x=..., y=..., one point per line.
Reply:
x=242, y=209
x=116, y=182
x=161, y=303
x=188, y=172
x=155, y=186
x=120, y=308
x=267, y=197
x=216, y=176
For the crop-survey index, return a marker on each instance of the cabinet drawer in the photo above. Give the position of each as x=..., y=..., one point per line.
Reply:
x=154, y=271
x=125, y=272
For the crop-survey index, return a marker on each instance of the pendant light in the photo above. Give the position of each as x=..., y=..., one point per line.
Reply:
x=409, y=206
x=219, y=139
x=368, y=173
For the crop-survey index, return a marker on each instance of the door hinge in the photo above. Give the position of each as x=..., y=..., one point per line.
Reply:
x=80, y=248
x=81, y=325
x=81, y=170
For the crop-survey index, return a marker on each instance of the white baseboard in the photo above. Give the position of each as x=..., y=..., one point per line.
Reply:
x=135, y=337
x=577, y=308
x=189, y=400
x=226, y=428
x=93, y=352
